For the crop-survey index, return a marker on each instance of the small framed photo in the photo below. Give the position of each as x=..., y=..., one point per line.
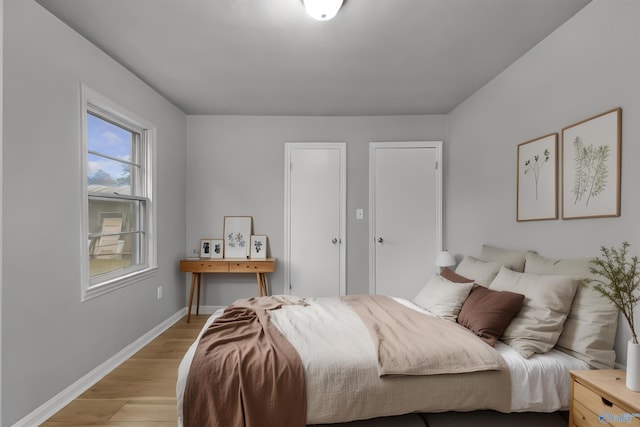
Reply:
x=205, y=248
x=217, y=248
x=237, y=233
x=258, y=246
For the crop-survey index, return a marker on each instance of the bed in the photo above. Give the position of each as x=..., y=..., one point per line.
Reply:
x=559, y=326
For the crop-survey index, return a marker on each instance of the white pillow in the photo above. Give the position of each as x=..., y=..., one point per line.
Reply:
x=590, y=329
x=548, y=298
x=443, y=297
x=483, y=272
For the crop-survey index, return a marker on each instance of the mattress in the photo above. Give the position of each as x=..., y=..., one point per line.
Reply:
x=341, y=369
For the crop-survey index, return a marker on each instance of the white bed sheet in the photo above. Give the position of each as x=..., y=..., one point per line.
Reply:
x=339, y=359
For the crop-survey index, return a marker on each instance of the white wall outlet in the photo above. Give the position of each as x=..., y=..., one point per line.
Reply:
x=359, y=213
x=159, y=292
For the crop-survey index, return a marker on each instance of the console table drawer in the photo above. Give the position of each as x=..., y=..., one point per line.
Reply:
x=204, y=266
x=198, y=267
x=251, y=266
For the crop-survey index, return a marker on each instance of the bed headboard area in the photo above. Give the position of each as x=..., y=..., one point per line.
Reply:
x=590, y=329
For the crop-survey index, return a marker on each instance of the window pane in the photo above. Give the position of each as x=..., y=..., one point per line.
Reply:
x=106, y=138
x=117, y=180
x=110, y=151
x=115, y=234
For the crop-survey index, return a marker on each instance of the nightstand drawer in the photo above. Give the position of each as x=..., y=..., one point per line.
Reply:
x=583, y=417
x=597, y=406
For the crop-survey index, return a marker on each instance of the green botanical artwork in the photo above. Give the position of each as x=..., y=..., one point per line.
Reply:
x=591, y=171
x=535, y=166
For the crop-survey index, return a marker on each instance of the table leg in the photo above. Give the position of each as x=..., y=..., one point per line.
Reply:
x=193, y=283
x=262, y=284
x=198, y=304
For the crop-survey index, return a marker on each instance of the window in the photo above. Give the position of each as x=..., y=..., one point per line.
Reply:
x=119, y=214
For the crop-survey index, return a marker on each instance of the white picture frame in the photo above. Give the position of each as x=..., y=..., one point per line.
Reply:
x=258, y=246
x=237, y=235
x=217, y=248
x=205, y=248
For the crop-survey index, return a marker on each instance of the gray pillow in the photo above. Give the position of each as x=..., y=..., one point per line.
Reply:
x=509, y=257
x=482, y=272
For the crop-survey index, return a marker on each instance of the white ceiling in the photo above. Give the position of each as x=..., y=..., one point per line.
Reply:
x=267, y=57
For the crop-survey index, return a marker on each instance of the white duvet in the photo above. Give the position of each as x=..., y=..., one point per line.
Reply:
x=342, y=378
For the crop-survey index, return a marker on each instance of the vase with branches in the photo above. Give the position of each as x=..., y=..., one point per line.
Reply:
x=620, y=284
x=620, y=281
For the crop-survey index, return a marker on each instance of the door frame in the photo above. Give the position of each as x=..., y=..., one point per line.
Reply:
x=373, y=146
x=342, y=148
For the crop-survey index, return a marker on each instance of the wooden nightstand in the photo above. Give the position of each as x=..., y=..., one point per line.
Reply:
x=600, y=398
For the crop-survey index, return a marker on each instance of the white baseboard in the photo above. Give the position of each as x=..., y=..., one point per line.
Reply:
x=55, y=404
x=209, y=309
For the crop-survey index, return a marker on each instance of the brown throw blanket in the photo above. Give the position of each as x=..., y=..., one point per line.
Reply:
x=243, y=368
x=411, y=343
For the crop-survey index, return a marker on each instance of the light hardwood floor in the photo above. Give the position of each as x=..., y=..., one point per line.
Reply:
x=139, y=393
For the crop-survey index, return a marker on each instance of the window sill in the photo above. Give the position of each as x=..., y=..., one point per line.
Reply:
x=121, y=282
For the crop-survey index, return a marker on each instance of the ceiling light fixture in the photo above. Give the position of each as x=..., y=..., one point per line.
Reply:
x=322, y=10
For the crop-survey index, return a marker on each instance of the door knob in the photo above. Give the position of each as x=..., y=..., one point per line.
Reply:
x=380, y=240
x=334, y=240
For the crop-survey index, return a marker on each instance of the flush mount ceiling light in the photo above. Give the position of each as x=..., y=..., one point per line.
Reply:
x=322, y=10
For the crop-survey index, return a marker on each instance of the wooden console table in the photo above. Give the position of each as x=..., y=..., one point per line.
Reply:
x=225, y=265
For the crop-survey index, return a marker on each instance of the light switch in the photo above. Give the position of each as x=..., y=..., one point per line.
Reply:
x=359, y=213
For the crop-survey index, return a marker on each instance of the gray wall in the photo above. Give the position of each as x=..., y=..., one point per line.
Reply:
x=50, y=338
x=236, y=167
x=588, y=66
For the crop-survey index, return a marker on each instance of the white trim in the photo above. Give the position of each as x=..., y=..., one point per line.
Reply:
x=117, y=283
x=59, y=401
x=94, y=100
x=208, y=309
x=437, y=145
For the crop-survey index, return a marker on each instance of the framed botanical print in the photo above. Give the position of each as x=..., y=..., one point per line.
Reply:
x=591, y=167
x=258, y=246
x=237, y=233
x=537, y=179
x=217, y=248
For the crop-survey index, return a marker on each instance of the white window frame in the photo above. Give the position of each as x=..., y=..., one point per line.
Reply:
x=92, y=101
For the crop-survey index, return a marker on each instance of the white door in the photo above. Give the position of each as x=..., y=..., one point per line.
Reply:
x=406, y=209
x=315, y=217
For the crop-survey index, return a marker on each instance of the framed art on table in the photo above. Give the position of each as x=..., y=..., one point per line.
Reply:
x=237, y=232
x=591, y=167
x=537, y=179
x=217, y=248
x=205, y=248
x=258, y=246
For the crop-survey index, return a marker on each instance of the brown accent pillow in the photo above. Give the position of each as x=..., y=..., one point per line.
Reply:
x=487, y=312
x=452, y=276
